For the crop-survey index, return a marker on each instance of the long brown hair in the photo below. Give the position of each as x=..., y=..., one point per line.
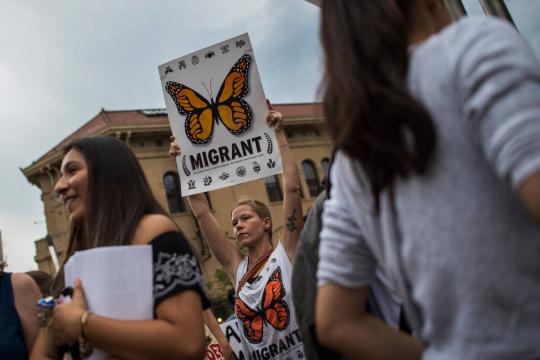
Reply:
x=118, y=196
x=369, y=111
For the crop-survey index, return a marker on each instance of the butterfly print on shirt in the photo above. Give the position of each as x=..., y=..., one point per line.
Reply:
x=273, y=310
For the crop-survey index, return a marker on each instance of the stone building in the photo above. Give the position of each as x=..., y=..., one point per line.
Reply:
x=147, y=133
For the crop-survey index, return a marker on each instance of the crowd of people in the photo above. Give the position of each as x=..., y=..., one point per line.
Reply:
x=423, y=245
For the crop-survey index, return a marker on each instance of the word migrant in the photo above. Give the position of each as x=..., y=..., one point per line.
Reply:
x=280, y=349
x=225, y=153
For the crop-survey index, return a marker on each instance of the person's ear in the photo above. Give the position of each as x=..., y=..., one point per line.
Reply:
x=267, y=223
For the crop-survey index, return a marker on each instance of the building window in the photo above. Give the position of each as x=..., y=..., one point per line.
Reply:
x=273, y=189
x=171, y=182
x=312, y=179
x=325, y=164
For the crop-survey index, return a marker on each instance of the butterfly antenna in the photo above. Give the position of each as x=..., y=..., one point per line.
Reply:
x=209, y=93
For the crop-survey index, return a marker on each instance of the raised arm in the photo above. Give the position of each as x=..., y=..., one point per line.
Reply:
x=224, y=251
x=292, y=203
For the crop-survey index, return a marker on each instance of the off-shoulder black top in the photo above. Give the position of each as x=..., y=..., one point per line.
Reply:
x=176, y=268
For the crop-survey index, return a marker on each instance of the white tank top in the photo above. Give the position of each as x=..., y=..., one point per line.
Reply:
x=265, y=312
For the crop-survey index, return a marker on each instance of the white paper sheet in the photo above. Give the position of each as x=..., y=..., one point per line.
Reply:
x=117, y=282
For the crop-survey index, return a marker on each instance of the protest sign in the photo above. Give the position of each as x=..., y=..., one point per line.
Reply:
x=232, y=333
x=217, y=111
x=289, y=347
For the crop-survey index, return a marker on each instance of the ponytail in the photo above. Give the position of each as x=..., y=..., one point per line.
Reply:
x=369, y=111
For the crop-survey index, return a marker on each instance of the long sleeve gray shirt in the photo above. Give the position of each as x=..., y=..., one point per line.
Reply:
x=460, y=249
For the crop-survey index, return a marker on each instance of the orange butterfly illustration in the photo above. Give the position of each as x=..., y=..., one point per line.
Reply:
x=229, y=107
x=273, y=311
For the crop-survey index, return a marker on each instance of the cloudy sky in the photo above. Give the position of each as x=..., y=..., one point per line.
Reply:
x=62, y=61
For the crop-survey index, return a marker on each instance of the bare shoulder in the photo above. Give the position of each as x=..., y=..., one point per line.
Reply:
x=23, y=284
x=151, y=226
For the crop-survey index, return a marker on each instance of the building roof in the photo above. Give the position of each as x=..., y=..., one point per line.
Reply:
x=315, y=2
x=109, y=120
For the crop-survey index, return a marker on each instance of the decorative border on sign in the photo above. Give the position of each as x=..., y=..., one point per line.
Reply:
x=184, y=166
x=270, y=148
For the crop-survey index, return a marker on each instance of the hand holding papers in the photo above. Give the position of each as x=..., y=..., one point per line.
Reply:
x=117, y=282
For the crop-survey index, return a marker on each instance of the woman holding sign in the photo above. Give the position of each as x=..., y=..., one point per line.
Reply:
x=263, y=306
x=110, y=203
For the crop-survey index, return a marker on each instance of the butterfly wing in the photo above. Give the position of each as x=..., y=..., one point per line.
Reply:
x=234, y=112
x=199, y=115
x=276, y=310
x=252, y=321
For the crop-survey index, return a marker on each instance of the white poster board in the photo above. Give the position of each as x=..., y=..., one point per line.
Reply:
x=217, y=111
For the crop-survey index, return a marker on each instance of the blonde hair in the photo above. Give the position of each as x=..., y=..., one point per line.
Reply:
x=259, y=208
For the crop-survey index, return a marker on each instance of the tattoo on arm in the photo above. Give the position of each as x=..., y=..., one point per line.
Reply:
x=291, y=221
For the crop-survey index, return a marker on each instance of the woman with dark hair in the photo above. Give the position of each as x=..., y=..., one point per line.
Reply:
x=110, y=203
x=263, y=305
x=18, y=314
x=436, y=180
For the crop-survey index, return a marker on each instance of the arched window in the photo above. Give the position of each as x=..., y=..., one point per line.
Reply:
x=273, y=189
x=300, y=185
x=171, y=182
x=312, y=179
x=325, y=164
